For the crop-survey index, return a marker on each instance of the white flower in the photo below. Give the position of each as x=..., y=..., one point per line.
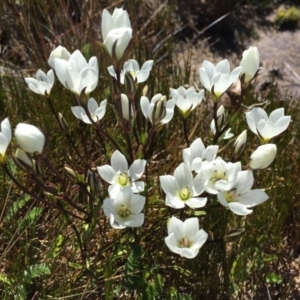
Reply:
x=185, y=238
x=159, y=110
x=221, y=122
x=125, y=209
x=186, y=99
x=219, y=175
x=42, y=84
x=131, y=66
x=5, y=137
x=58, y=52
x=263, y=156
x=125, y=107
x=96, y=112
x=118, y=19
x=29, y=138
x=182, y=189
x=119, y=176
x=267, y=127
x=240, y=198
x=76, y=74
x=250, y=64
x=196, y=154
x=218, y=79
x=116, y=28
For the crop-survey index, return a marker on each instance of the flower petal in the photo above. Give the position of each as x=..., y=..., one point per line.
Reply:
x=239, y=209
x=107, y=173
x=119, y=162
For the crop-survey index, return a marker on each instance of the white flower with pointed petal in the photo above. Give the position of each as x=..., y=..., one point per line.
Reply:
x=219, y=176
x=119, y=176
x=240, y=198
x=96, y=112
x=118, y=19
x=5, y=138
x=221, y=121
x=125, y=209
x=218, y=79
x=42, y=84
x=185, y=238
x=182, y=189
x=267, y=127
x=159, y=110
x=263, y=156
x=131, y=66
x=197, y=154
x=29, y=138
x=76, y=74
x=186, y=99
x=116, y=28
x=250, y=64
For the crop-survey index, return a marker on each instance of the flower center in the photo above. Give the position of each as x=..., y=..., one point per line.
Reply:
x=124, y=211
x=184, y=194
x=132, y=73
x=185, y=243
x=124, y=179
x=231, y=196
x=218, y=176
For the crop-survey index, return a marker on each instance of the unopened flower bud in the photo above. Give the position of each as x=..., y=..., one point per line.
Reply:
x=249, y=64
x=94, y=182
x=70, y=172
x=30, y=138
x=159, y=110
x=125, y=107
x=37, y=168
x=221, y=116
x=240, y=142
x=62, y=121
x=145, y=90
x=234, y=235
x=22, y=159
x=129, y=82
x=263, y=156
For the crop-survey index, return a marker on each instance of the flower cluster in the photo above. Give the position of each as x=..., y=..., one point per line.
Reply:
x=203, y=178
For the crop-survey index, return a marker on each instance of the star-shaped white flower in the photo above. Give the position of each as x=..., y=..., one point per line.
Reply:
x=131, y=66
x=76, y=74
x=197, y=154
x=185, y=238
x=186, y=99
x=42, y=84
x=96, y=112
x=267, y=127
x=182, y=189
x=218, y=79
x=240, y=198
x=119, y=176
x=219, y=175
x=125, y=209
